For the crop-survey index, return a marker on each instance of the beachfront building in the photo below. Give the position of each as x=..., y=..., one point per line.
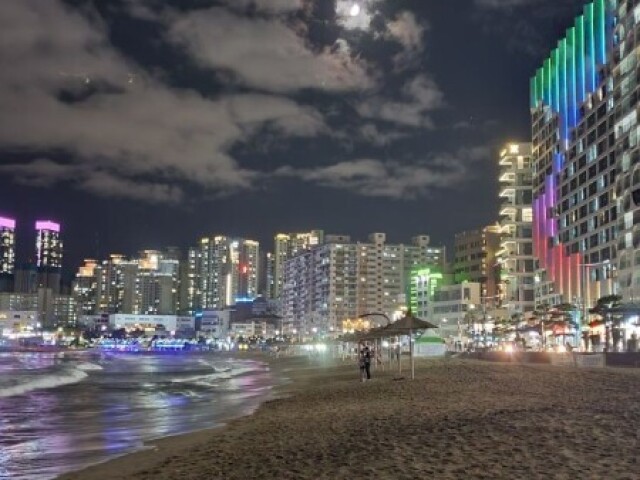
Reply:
x=85, y=288
x=287, y=246
x=475, y=258
x=117, y=285
x=52, y=309
x=253, y=329
x=157, y=283
x=147, y=284
x=18, y=323
x=625, y=198
x=152, y=324
x=423, y=282
x=583, y=107
x=514, y=259
x=453, y=308
x=341, y=280
x=226, y=269
x=214, y=323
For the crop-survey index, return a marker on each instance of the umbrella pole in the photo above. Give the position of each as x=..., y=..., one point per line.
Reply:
x=399, y=355
x=413, y=367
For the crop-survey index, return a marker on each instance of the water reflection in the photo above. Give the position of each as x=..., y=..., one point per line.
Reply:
x=110, y=412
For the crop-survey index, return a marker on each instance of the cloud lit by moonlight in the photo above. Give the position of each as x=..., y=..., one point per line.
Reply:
x=355, y=15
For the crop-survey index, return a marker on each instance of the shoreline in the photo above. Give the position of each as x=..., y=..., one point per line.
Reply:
x=149, y=449
x=458, y=419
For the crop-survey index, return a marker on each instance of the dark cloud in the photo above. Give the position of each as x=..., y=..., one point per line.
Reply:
x=394, y=179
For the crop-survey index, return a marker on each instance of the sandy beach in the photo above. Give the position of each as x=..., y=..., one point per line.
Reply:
x=457, y=420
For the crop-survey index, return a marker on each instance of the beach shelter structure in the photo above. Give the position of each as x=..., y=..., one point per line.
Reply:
x=407, y=325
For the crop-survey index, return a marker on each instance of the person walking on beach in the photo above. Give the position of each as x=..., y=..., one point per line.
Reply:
x=367, y=362
x=364, y=362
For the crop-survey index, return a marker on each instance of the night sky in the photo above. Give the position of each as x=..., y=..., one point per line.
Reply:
x=142, y=124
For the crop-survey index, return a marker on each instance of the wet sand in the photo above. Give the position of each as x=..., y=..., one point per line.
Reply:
x=457, y=420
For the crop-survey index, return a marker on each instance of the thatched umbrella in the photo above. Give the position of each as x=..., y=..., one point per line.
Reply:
x=406, y=326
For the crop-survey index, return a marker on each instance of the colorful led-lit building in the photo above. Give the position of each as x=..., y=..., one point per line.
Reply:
x=7, y=246
x=626, y=91
x=423, y=283
x=573, y=107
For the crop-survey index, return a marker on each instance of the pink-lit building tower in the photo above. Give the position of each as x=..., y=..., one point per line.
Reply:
x=7, y=245
x=48, y=244
x=48, y=255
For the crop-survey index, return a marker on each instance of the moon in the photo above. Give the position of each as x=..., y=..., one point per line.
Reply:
x=355, y=10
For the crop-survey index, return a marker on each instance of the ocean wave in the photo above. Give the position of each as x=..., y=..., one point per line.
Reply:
x=213, y=379
x=88, y=367
x=45, y=382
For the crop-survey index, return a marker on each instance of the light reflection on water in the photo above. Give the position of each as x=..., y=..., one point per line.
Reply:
x=124, y=401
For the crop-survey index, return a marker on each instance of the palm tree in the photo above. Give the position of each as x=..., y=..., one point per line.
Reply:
x=564, y=314
x=605, y=308
x=542, y=313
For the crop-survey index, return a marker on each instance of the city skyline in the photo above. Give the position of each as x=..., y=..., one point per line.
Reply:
x=413, y=133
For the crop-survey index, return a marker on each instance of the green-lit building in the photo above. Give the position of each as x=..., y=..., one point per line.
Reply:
x=422, y=286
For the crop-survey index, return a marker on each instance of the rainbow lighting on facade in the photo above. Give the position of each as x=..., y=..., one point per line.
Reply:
x=48, y=225
x=7, y=223
x=562, y=86
x=570, y=74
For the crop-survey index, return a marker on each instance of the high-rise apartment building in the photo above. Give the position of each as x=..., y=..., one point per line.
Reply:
x=269, y=276
x=476, y=259
x=148, y=284
x=288, y=245
x=117, y=285
x=86, y=288
x=423, y=283
x=48, y=244
x=515, y=256
x=49, y=255
x=341, y=280
x=583, y=117
x=7, y=254
x=157, y=283
x=626, y=133
x=7, y=246
x=190, y=294
x=227, y=270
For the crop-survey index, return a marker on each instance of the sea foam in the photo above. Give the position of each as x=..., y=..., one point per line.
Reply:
x=88, y=367
x=67, y=377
